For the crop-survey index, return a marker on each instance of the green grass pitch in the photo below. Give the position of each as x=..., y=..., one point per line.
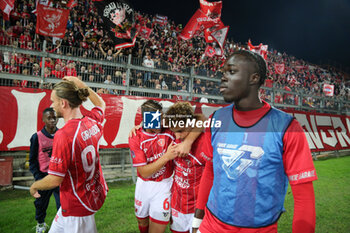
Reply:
x=332, y=191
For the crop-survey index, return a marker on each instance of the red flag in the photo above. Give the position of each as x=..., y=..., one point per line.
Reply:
x=191, y=27
x=210, y=28
x=51, y=21
x=220, y=37
x=6, y=6
x=206, y=18
x=259, y=49
x=42, y=2
x=328, y=89
x=145, y=32
x=211, y=9
x=279, y=68
x=209, y=51
x=72, y=3
x=263, y=51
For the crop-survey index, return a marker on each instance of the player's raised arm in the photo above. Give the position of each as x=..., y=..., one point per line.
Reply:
x=93, y=96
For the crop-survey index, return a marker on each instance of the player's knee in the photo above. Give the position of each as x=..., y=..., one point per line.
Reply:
x=143, y=221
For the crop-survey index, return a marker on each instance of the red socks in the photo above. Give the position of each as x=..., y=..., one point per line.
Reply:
x=143, y=229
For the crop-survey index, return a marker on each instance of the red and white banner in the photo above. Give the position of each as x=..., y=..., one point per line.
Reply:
x=192, y=26
x=42, y=2
x=144, y=32
x=279, y=68
x=51, y=21
x=6, y=6
x=72, y=3
x=328, y=89
x=211, y=27
x=21, y=114
x=211, y=9
x=220, y=38
x=161, y=20
x=206, y=18
x=259, y=49
x=209, y=51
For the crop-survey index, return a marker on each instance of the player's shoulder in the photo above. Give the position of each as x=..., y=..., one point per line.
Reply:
x=139, y=136
x=68, y=129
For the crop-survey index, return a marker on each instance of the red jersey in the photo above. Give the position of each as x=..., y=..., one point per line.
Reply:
x=147, y=148
x=75, y=157
x=188, y=173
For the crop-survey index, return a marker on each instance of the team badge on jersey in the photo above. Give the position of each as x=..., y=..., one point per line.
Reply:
x=174, y=213
x=161, y=142
x=165, y=214
x=151, y=120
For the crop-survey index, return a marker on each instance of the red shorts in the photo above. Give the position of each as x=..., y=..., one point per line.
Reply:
x=211, y=224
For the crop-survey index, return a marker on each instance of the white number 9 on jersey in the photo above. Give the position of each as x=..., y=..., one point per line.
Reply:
x=89, y=168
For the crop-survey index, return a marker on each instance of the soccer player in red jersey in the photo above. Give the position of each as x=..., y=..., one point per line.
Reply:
x=254, y=155
x=188, y=169
x=75, y=163
x=152, y=152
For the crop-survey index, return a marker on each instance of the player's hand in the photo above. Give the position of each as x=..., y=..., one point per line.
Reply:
x=133, y=130
x=34, y=192
x=76, y=81
x=183, y=149
x=171, y=154
x=194, y=230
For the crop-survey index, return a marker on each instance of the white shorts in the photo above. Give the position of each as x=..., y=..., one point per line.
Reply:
x=152, y=199
x=181, y=222
x=72, y=224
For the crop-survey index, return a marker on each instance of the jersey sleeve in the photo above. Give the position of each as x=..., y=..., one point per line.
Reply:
x=61, y=155
x=304, y=218
x=204, y=150
x=205, y=185
x=208, y=173
x=297, y=159
x=137, y=155
x=97, y=114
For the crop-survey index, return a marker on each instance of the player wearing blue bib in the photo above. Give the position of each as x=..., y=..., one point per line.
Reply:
x=255, y=152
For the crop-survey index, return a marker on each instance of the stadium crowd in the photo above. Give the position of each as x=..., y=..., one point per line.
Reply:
x=161, y=49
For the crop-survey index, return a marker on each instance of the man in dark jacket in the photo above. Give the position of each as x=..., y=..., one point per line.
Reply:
x=40, y=154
